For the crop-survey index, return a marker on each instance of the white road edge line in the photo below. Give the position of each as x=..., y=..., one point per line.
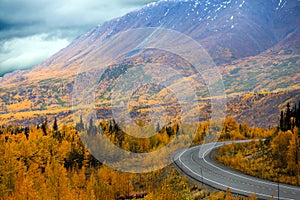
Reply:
x=226, y=186
x=258, y=181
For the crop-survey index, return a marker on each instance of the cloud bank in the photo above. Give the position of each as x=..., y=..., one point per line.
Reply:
x=33, y=30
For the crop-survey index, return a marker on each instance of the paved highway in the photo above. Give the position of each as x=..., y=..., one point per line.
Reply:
x=197, y=162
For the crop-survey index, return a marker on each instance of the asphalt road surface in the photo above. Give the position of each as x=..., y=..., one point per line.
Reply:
x=197, y=162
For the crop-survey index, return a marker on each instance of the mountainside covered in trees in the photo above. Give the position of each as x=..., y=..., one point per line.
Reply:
x=277, y=158
x=255, y=45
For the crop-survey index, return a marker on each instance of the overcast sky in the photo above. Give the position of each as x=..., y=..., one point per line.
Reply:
x=33, y=30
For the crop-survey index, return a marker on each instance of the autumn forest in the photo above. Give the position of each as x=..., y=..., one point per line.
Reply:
x=49, y=161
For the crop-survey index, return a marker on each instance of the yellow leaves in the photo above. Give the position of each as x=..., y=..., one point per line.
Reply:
x=218, y=196
x=163, y=138
x=90, y=188
x=240, y=159
x=26, y=187
x=37, y=167
x=150, y=196
x=228, y=195
x=293, y=155
x=77, y=183
x=166, y=192
x=279, y=147
x=35, y=133
x=33, y=168
x=266, y=161
x=64, y=148
x=252, y=197
x=24, y=105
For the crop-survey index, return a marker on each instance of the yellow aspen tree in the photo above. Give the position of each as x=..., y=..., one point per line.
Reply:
x=9, y=166
x=279, y=147
x=293, y=155
x=25, y=187
x=90, y=188
x=57, y=182
x=252, y=197
x=228, y=195
x=78, y=182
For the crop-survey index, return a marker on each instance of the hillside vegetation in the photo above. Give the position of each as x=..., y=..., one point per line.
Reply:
x=275, y=159
x=48, y=162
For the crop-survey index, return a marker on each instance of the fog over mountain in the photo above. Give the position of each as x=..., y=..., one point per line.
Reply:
x=31, y=31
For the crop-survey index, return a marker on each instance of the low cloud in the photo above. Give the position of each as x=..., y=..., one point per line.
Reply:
x=22, y=53
x=31, y=30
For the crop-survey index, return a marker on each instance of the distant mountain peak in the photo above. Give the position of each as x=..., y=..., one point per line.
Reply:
x=254, y=43
x=228, y=29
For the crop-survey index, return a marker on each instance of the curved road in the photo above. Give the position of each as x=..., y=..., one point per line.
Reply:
x=197, y=163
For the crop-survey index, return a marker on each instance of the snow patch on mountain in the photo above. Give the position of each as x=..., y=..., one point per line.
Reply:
x=281, y=4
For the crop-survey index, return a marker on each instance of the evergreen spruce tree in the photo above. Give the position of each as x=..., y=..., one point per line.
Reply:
x=281, y=122
x=80, y=126
x=45, y=126
x=298, y=116
x=288, y=117
x=26, y=132
x=92, y=130
x=157, y=127
x=55, y=126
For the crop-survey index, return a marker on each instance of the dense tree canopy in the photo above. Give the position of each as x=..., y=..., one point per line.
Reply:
x=277, y=158
x=50, y=162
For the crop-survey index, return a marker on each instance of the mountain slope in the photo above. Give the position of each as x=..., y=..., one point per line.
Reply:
x=256, y=45
x=228, y=30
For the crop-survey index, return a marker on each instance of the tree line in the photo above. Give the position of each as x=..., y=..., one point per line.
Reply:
x=290, y=118
x=277, y=158
x=49, y=161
